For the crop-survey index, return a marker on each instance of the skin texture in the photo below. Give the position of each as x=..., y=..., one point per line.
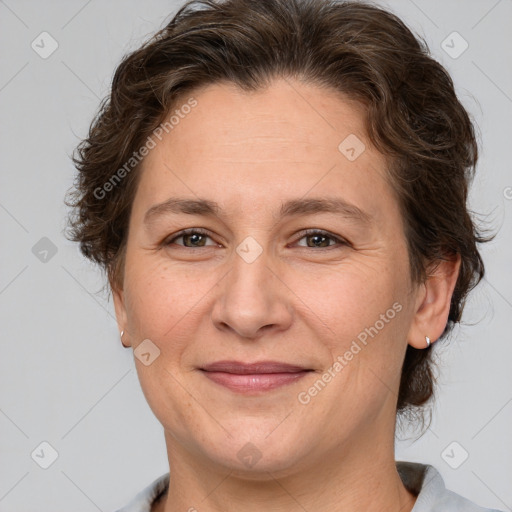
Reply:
x=296, y=303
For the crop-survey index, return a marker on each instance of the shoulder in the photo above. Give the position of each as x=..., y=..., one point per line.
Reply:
x=143, y=501
x=432, y=495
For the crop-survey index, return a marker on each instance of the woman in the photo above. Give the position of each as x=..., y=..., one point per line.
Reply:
x=277, y=192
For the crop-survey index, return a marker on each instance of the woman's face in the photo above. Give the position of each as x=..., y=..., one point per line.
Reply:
x=329, y=310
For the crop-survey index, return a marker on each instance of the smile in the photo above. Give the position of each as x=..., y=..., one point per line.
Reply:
x=253, y=377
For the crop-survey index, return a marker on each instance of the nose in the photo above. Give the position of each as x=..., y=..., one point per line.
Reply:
x=253, y=299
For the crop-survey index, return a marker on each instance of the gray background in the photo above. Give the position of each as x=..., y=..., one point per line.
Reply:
x=65, y=378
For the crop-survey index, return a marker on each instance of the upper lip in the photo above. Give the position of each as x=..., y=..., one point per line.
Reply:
x=253, y=368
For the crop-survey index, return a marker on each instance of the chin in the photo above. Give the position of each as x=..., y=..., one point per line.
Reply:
x=255, y=449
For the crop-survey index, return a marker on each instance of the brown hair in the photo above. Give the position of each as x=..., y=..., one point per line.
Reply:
x=412, y=115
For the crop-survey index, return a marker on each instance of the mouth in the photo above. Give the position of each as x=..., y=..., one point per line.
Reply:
x=253, y=378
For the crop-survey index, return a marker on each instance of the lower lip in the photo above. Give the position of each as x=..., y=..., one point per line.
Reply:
x=254, y=382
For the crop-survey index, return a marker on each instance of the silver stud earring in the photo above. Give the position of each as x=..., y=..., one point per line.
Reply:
x=122, y=332
x=428, y=341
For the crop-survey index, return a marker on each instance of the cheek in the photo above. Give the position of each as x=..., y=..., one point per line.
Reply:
x=160, y=307
x=168, y=397
x=344, y=301
x=158, y=297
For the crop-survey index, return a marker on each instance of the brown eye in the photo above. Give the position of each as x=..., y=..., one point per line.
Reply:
x=321, y=239
x=318, y=240
x=190, y=238
x=194, y=240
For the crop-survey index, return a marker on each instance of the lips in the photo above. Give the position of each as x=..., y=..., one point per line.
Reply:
x=252, y=368
x=253, y=378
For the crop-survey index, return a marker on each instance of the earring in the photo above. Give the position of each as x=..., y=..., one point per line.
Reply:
x=428, y=341
x=125, y=346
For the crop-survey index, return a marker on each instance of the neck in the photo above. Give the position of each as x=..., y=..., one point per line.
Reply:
x=362, y=477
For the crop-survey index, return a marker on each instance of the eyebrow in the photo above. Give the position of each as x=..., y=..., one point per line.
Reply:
x=291, y=208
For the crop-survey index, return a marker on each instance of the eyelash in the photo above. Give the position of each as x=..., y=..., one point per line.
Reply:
x=304, y=234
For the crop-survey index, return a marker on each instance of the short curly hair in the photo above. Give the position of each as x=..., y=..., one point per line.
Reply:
x=412, y=115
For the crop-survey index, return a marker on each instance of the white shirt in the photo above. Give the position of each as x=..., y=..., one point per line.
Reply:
x=421, y=479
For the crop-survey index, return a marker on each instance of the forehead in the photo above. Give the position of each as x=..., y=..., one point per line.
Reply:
x=279, y=118
x=280, y=142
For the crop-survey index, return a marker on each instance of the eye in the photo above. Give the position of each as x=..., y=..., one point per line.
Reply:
x=320, y=238
x=190, y=238
x=198, y=237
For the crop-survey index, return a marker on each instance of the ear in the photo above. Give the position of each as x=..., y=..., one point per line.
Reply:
x=120, y=309
x=433, y=302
